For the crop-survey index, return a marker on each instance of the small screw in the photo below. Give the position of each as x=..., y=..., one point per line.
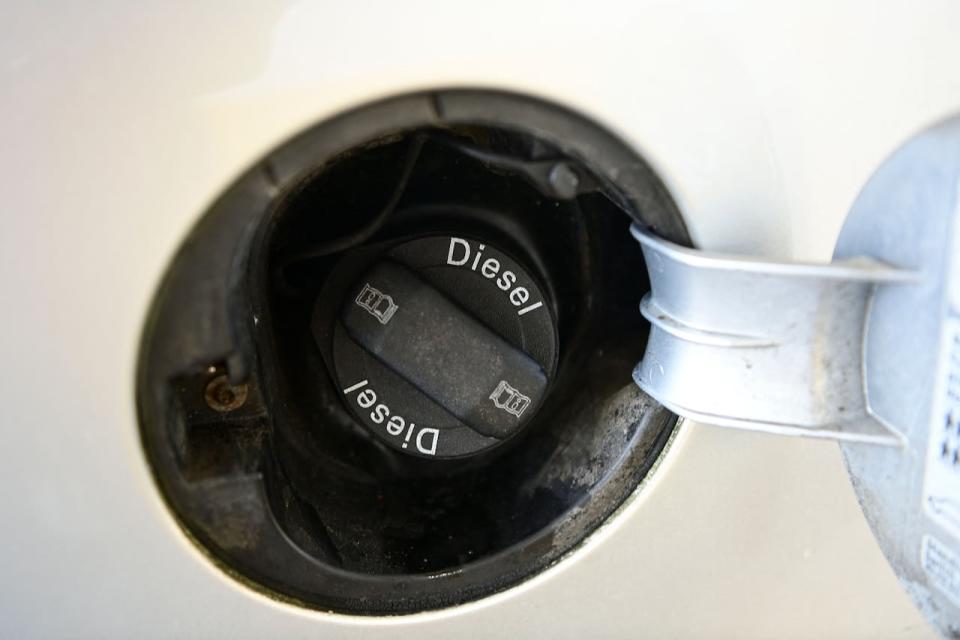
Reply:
x=223, y=396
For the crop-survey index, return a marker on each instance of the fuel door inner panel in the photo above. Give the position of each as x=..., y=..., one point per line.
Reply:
x=864, y=350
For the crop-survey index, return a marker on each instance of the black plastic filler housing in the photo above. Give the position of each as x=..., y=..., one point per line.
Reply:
x=389, y=370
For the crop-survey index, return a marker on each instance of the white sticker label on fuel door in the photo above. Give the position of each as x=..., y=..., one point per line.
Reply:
x=942, y=566
x=941, y=485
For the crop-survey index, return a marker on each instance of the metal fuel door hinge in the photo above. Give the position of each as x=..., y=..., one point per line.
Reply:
x=759, y=344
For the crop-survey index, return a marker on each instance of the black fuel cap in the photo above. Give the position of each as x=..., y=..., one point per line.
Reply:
x=444, y=347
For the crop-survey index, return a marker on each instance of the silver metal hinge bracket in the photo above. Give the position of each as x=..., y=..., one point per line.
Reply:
x=762, y=345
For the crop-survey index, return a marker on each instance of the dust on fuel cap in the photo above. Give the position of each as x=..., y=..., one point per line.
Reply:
x=443, y=347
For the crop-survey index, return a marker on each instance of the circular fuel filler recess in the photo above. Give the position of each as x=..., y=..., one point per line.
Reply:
x=429, y=246
x=444, y=347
